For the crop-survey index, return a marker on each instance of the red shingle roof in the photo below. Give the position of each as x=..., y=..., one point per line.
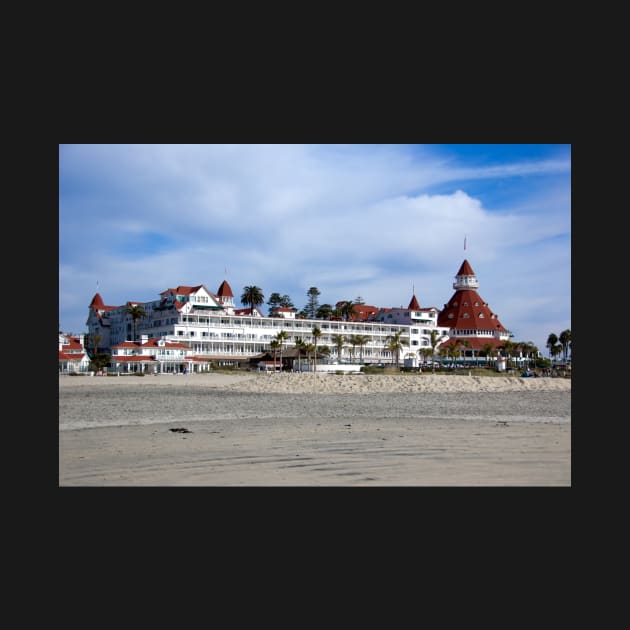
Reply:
x=467, y=310
x=465, y=269
x=413, y=305
x=225, y=290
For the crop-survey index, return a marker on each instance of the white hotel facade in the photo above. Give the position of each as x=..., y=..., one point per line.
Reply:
x=217, y=332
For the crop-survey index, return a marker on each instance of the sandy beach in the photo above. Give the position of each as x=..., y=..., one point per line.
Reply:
x=292, y=429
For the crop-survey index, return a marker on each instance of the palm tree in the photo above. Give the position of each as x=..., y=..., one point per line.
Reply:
x=452, y=349
x=96, y=339
x=310, y=349
x=426, y=353
x=352, y=340
x=464, y=343
x=317, y=333
x=434, y=340
x=136, y=311
x=299, y=346
x=324, y=350
x=338, y=341
x=361, y=340
x=253, y=296
x=394, y=344
x=565, y=340
x=347, y=309
x=508, y=348
x=530, y=351
x=555, y=350
x=274, y=344
x=487, y=350
x=281, y=336
x=552, y=340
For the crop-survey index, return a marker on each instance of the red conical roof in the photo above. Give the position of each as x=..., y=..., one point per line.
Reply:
x=97, y=302
x=465, y=269
x=413, y=305
x=225, y=290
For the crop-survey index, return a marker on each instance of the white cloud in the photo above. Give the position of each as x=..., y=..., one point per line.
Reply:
x=349, y=219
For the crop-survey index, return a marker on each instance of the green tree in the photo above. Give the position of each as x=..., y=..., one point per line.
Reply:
x=361, y=341
x=565, y=340
x=317, y=333
x=452, y=349
x=347, y=310
x=299, y=346
x=353, y=341
x=487, y=350
x=394, y=345
x=554, y=351
x=285, y=301
x=274, y=344
x=281, y=337
x=100, y=361
x=274, y=300
x=434, y=340
x=508, y=347
x=311, y=306
x=136, y=311
x=338, y=342
x=253, y=296
x=324, y=350
x=324, y=311
x=552, y=340
x=309, y=349
x=426, y=353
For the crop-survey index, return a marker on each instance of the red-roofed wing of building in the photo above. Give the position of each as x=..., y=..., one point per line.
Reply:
x=72, y=354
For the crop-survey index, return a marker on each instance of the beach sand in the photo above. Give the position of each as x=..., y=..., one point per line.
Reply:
x=314, y=430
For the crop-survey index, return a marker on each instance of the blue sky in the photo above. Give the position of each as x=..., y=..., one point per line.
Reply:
x=375, y=221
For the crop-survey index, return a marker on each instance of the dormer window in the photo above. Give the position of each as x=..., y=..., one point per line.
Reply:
x=454, y=303
x=465, y=315
x=450, y=315
x=465, y=303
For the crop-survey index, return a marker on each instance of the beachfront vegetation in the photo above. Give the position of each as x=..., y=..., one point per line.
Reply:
x=395, y=345
x=317, y=333
x=253, y=296
x=136, y=311
x=313, y=303
x=281, y=337
x=560, y=344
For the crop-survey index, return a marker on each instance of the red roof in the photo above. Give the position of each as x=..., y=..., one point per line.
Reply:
x=70, y=356
x=97, y=302
x=467, y=310
x=413, y=305
x=183, y=290
x=72, y=343
x=465, y=269
x=225, y=290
